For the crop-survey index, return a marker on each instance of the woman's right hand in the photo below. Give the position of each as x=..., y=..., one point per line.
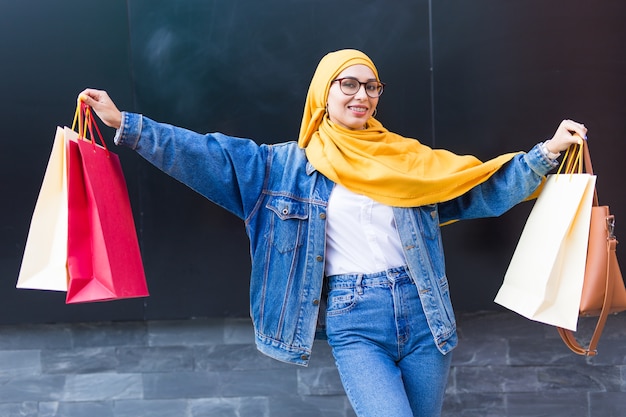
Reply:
x=569, y=133
x=104, y=107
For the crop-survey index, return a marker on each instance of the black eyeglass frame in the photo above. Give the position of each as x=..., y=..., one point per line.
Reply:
x=381, y=86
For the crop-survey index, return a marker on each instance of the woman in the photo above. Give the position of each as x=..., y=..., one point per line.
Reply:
x=354, y=209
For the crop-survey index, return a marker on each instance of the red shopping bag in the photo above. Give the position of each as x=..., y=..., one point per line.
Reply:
x=103, y=257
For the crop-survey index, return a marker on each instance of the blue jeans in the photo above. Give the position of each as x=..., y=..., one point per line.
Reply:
x=384, y=350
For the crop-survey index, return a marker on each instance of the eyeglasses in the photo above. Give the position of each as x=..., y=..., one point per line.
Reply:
x=351, y=86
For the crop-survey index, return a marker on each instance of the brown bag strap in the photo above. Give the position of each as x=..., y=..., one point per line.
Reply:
x=568, y=335
x=589, y=169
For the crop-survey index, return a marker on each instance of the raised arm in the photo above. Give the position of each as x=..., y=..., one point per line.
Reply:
x=226, y=170
x=516, y=180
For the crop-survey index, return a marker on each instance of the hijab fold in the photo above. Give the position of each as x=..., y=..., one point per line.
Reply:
x=387, y=167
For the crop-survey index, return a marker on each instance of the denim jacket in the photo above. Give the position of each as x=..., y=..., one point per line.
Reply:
x=283, y=200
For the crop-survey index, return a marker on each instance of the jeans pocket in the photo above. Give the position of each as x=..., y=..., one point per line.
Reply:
x=340, y=301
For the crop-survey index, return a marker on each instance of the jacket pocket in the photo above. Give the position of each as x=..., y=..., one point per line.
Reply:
x=288, y=224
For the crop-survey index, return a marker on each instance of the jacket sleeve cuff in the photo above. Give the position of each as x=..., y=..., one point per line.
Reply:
x=539, y=161
x=129, y=132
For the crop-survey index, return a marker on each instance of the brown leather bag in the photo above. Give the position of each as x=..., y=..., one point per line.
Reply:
x=603, y=288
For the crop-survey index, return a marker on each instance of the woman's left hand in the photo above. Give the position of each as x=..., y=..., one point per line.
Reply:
x=569, y=133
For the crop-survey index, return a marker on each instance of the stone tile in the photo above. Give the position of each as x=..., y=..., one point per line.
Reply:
x=145, y=359
x=174, y=385
x=35, y=336
x=237, y=357
x=304, y=406
x=474, y=405
x=536, y=379
x=451, y=387
x=481, y=352
x=219, y=384
x=614, y=329
x=78, y=361
x=607, y=404
x=101, y=387
x=186, y=332
x=610, y=352
x=230, y=407
x=495, y=379
x=548, y=404
x=580, y=378
x=238, y=331
x=151, y=408
x=319, y=381
x=31, y=388
x=76, y=409
x=260, y=383
x=19, y=363
x=537, y=352
x=48, y=409
x=25, y=409
x=109, y=334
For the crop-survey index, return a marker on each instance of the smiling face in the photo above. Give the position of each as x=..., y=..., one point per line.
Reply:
x=351, y=112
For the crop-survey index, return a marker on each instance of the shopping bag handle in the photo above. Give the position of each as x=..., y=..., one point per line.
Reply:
x=573, y=161
x=83, y=117
x=577, y=160
x=589, y=169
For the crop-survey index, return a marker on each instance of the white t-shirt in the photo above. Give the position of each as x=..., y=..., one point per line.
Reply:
x=361, y=235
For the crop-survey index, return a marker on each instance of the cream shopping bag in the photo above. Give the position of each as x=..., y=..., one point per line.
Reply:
x=545, y=277
x=45, y=255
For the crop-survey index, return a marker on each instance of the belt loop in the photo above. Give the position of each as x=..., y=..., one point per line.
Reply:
x=359, y=281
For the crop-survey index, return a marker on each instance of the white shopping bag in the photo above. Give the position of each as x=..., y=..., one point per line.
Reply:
x=45, y=255
x=545, y=277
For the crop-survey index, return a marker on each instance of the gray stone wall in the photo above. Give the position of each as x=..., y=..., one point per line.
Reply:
x=505, y=366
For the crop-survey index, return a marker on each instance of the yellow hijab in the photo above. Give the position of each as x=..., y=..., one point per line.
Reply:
x=382, y=165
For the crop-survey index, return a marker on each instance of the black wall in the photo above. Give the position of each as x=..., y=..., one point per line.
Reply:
x=483, y=77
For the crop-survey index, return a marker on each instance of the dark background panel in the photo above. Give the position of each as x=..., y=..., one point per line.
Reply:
x=50, y=51
x=243, y=68
x=503, y=74
x=506, y=73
